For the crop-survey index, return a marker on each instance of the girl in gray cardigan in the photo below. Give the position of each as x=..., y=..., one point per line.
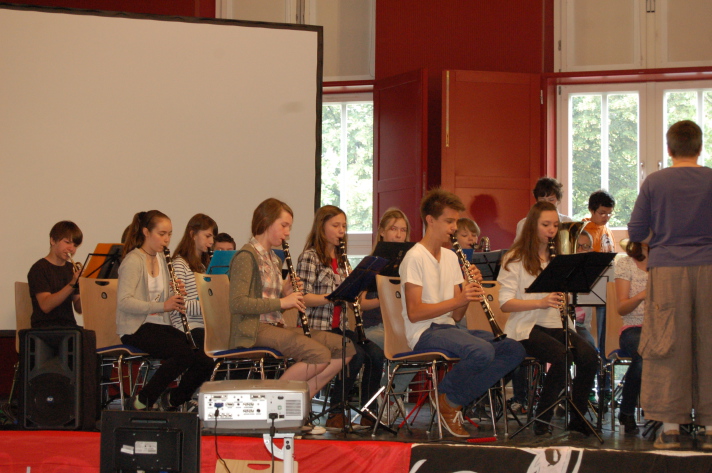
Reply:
x=142, y=321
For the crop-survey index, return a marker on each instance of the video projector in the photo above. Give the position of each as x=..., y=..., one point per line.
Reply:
x=246, y=405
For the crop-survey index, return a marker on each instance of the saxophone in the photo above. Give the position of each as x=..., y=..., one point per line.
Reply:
x=174, y=287
x=494, y=326
x=360, y=332
x=484, y=245
x=293, y=275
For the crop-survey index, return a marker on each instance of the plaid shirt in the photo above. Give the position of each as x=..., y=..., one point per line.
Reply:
x=321, y=280
x=271, y=274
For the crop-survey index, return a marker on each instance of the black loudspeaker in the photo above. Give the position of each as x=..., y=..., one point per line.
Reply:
x=59, y=370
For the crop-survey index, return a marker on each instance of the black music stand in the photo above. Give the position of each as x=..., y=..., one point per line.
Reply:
x=348, y=291
x=569, y=274
x=110, y=261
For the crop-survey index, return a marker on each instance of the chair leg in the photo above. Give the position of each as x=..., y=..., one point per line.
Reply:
x=120, y=377
x=437, y=401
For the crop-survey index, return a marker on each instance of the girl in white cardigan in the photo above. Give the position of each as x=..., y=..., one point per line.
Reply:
x=142, y=316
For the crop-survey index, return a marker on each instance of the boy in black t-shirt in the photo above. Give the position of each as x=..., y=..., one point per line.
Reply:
x=53, y=280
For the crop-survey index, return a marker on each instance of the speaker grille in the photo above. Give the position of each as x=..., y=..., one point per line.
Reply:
x=51, y=400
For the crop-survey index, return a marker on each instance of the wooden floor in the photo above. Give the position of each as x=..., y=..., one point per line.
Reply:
x=419, y=433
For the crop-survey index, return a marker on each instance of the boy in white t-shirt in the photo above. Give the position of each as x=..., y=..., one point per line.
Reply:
x=436, y=297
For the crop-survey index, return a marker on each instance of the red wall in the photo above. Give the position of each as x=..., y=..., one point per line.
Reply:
x=195, y=8
x=475, y=35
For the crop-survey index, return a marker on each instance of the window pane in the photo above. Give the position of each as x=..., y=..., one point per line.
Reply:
x=680, y=105
x=585, y=151
x=623, y=155
x=347, y=161
x=330, y=151
x=360, y=166
x=707, y=128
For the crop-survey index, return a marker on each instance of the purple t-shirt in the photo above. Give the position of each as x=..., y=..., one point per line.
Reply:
x=676, y=204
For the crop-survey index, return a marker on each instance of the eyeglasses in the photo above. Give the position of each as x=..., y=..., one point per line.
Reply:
x=584, y=247
x=603, y=214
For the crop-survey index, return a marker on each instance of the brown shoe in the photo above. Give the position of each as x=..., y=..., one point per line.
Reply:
x=336, y=421
x=366, y=421
x=450, y=418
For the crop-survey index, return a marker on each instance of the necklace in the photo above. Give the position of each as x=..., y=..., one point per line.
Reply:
x=149, y=254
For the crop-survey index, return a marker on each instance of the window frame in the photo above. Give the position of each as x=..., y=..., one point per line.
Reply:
x=651, y=126
x=360, y=242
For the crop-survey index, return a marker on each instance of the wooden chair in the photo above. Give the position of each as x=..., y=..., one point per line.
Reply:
x=23, y=310
x=399, y=355
x=614, y=323
x=99, y=310
x=23, y=316
x=213, y=294
x=476, y=320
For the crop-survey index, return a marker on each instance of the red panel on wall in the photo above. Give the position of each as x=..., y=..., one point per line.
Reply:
x=491, y=146
x=475, y=35
x=400, y=142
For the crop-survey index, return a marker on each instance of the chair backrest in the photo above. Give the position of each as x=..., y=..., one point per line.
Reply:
x=99, y=309
x=23, y=310
x=214, y=297
x=614, y=321
x=391, y=300
x=475, y=315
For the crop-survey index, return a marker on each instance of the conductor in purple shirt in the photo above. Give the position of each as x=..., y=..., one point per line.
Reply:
x=674, y=211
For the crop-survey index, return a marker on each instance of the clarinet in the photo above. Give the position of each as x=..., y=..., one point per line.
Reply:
x=174, y=286
x=293, y=276
x=494, y=326
x=210, y=255
x=360, y=332
x=551, y=246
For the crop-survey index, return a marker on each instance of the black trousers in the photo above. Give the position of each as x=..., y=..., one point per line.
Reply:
x=548, y=345
x=371, y=357
x=178, y=358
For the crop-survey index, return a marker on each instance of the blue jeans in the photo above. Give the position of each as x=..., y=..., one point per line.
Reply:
x=482, y=361
x=629, y=341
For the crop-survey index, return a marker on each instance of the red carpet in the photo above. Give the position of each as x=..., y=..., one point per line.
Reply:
x=78, y=452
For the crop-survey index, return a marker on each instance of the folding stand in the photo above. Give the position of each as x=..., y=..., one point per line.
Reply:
x=569, y=274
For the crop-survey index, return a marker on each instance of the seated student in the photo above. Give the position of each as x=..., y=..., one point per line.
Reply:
x=601, y=205
x=583, y=314
x=258, y=296
x=53, y=280
x=547, y=189
x=631, y=274
x=224, y=242
x=143, y=315
x=535, y=319
x=189, y=257
x=468, y=233
x=321, y=271
x=436, y=297
x=393, y=227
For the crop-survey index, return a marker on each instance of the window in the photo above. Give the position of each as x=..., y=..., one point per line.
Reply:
x=347, y=165
x=613, y=135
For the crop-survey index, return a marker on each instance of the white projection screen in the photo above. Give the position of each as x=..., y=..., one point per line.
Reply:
x=104, y=115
